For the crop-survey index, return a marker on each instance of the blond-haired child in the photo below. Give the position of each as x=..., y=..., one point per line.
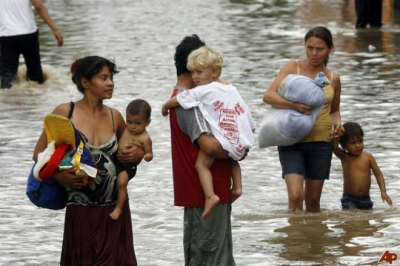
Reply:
x=228, y=116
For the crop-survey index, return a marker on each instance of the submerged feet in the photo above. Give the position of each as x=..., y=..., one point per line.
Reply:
x=210, y=203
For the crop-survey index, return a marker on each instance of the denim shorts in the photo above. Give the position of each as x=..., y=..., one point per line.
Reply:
x=311, y=160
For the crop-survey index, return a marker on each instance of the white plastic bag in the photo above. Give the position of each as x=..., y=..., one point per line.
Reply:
x=284, y=127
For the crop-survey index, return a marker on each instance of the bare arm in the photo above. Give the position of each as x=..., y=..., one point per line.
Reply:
x=119, y=123
x=379, y=179
x=337, y=150
x=272, y=97
x=335, y=107
x=44, y=14
x=148, y=149
x=171, y=103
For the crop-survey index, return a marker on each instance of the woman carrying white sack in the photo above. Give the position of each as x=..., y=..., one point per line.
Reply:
x=284, y=127
x=308, y=161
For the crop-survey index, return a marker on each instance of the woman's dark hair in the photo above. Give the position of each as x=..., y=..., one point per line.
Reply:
x=89, y=66
x=139, y=106
x=323, y=34
x=351, y=129
x=182, y=51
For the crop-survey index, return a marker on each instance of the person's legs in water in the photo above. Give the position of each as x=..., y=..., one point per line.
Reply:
x=362, y=13
x=292, y=160
x=375, y=20
x=368, y=12
x=9, y=57
x=318, y=164
x=208, y=241
x=294, y=186
x=31, y=51
x=312, y=195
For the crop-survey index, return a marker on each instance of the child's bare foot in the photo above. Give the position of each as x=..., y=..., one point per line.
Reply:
x=210, y=203
x=235, y=194
x=116, y=213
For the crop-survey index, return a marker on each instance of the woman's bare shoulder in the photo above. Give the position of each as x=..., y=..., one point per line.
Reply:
x=62, y=109
x=116, y=113
x=289, y=68
x=292, y=64
x=335, y=79
x=119, y=121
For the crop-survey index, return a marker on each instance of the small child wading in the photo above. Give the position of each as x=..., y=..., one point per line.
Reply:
x=357, y=165
x=225, y=111
x=138, y=113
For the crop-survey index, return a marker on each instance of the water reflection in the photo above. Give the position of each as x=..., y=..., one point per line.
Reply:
x=331, y=238
x=257, y=37
x=358, y=235
x=308, y=239
x=353, y=233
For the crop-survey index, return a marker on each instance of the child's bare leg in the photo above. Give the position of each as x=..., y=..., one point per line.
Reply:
x=122, y=182
x=203, y=164
x=236, y=190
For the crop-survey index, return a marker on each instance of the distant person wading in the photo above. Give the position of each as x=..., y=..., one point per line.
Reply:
x=19, y=35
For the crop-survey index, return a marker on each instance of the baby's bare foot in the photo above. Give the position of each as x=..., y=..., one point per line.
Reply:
x=210, y=203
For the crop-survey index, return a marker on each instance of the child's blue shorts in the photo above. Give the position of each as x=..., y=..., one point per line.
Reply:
x=353, y=202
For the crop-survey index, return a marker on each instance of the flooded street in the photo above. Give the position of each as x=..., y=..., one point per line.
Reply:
x=256, y=38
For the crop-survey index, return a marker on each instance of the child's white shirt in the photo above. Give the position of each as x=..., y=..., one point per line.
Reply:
x=226, y=112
